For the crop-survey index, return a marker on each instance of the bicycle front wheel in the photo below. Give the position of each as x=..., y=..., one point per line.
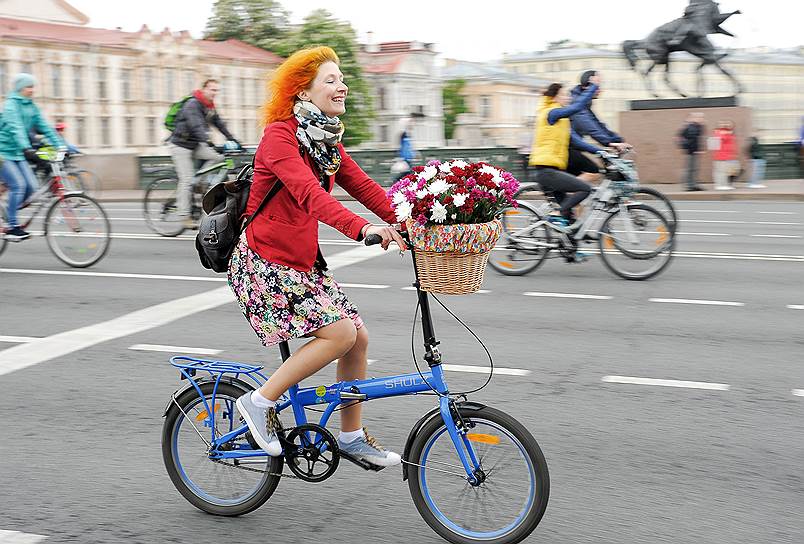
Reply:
x=637, y=244
x=506, y=507
x=525, y=241
x=77, y=230
x=161, y=209
x=230, y=487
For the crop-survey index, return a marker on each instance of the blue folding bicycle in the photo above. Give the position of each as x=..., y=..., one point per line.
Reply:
x=475, y=473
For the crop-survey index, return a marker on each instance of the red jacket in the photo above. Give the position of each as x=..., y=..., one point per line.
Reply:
x=728, y=145
x=286, y=230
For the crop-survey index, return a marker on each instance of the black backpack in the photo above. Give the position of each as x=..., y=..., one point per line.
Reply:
x=220, y=228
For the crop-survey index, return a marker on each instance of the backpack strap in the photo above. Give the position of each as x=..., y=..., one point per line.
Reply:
x=268, y=196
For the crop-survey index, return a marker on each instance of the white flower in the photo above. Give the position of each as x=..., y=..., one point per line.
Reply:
x=399, y=198
x=439, y=186
x=489, y=170
x=445, y=167
x=428, y=173
x=459, y=199
x=403, y=211
x=438, y=213
x=421, y=193
x=459, y=163
x=454, y=215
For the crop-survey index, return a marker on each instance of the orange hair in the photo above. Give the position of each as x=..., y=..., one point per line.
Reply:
x=292, y=76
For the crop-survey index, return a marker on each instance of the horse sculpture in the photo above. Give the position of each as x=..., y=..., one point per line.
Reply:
x=687, y=33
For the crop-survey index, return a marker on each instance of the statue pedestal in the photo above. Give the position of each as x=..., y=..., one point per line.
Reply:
x=652, y=126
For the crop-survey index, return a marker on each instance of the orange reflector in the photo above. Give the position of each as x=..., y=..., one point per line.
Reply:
x=608, y=242
x=662, y=235
x=483, y=438
x=203, y=415
x=505, y=264
x=512, y=212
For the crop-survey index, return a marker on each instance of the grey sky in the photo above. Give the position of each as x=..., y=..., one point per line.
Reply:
x=483, y=29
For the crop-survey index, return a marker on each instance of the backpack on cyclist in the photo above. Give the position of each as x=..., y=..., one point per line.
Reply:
x=173, y=112
x=225, y=208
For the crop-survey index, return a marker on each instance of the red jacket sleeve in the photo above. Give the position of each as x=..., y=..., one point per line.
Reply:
x=364, y=189
x=281, y=156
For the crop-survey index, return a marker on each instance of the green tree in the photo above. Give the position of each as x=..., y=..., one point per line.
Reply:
x=454, y=104
x=263, y=23
x=321, y=28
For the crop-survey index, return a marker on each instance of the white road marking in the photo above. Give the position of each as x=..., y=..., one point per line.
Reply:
x=796, y=306
x=18, y=339
x=485, y=370
x=798, y=392
x=567, y=295
x=775, y=223
x=775, y=236
x=779, y=213
x=110, y=275
x=702, y=234
x=58, y=345
x=665, y=383
x=371, y=361
x=479, y=291
x=16, y=537
x=363, y=285
x=709, y=211
x=174, y=349
x=736, y=222
x=695, y=301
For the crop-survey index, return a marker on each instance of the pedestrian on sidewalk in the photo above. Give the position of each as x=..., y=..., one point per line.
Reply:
x=757, y=163
x=690, y=141
x=724, y=158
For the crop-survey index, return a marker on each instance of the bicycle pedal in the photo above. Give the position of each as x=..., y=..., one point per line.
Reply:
x=362, y=463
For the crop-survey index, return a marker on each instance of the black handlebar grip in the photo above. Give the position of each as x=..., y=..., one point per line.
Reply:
x=372, y=239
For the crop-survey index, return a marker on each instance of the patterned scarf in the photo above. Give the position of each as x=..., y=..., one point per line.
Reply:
x=319, y=135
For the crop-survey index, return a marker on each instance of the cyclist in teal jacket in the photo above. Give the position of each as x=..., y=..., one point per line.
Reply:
x=20, y=117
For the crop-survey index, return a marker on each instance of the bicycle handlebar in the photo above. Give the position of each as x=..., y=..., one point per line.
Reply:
x=372, y=239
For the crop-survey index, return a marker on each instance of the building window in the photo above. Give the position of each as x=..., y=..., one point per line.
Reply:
x=153, y=138
x=243, y=92
x=80, y=131
x=189, y=81
x=258, y=91
x=3, y=77
x=485, y=107
x=148, y=83
x=169, y=85
x=381, y=99
x=246, y=129
x=105, y=131
x=130, y=131
x=55, y=80
x=383, y=134
x=125, y=83
x=26, y=67
x=102, y=89
x=78, y=81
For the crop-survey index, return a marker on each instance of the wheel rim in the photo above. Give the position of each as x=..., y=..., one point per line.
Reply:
x=77, y=230
x=161, y=211
x=639, y=248
x=522, y=245
x=215, y=483
x=458, y=505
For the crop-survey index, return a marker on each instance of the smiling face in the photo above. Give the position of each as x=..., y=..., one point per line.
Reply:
x=327, y=91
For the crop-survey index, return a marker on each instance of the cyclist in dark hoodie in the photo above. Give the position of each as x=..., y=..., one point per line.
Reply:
x=586, y=123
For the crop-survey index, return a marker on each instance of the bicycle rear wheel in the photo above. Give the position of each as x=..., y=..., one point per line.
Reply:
x=161, y=210
x=506, y=507
x=229, y=489
x=636, y=245
x=658, y=201
x=525, y=241
x=77, y=230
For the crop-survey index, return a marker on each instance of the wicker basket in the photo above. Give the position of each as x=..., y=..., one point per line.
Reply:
x=451, y=259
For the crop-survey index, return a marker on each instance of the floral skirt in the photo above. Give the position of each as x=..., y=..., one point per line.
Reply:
x=282, y=303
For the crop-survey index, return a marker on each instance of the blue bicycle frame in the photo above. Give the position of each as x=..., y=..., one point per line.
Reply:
x=334, y=395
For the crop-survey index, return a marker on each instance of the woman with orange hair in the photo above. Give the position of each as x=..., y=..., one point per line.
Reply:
x=277, y=271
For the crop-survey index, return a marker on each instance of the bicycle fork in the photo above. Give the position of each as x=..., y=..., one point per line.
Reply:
x=458, y=432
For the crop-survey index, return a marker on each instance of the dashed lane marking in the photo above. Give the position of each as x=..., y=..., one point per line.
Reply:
x=16, y=537
x=798, y=392
x=779, y=213
x=18, y=339
x=796, y=306
x=729, y=222
x=702, y=234
x=486, y=370
x=774, y=236
x=567, y=295
x=174, y=349
x=696, y=301
x=665, y=383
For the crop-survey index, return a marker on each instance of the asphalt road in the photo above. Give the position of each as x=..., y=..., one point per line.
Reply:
x=714, y=461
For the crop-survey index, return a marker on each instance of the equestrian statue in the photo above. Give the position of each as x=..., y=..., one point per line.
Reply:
x=687, y=33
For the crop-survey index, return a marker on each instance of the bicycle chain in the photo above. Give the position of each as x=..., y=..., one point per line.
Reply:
x=251, y=469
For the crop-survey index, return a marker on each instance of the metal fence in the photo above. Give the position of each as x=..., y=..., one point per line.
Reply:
x=783, y=161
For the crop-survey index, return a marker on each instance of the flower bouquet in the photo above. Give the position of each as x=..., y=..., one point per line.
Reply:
x=451, y=209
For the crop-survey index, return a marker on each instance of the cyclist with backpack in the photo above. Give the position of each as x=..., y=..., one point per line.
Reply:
x=21, y=116
x=189, y=121
x=277, y=271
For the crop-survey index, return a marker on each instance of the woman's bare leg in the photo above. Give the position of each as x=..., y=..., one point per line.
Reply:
x=330, y=343
x=352, y=366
